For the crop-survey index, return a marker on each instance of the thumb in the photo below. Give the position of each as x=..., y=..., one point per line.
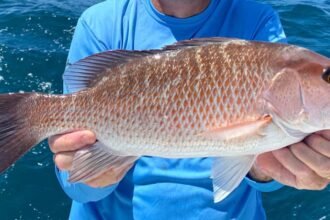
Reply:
x=71, y=141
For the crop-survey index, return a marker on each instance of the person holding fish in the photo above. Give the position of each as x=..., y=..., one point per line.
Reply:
x=161, y=188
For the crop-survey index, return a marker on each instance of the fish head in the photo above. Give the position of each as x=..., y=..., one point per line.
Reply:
x=314, y=79
x=298, y=92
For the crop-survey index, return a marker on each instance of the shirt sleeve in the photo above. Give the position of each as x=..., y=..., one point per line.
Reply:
x=84, y=43
x=81, y=192
x=272, y=31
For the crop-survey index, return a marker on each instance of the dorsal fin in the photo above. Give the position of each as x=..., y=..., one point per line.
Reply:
x=86, y=72
x=199, y=42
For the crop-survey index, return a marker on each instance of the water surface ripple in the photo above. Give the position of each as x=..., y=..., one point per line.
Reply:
x=34, y=40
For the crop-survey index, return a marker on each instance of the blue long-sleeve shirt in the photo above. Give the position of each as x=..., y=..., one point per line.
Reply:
x=158, y=188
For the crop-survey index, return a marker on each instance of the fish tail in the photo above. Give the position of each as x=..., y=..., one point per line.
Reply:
x=16, y=137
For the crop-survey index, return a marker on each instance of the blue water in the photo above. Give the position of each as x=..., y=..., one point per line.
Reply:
x=34, y=40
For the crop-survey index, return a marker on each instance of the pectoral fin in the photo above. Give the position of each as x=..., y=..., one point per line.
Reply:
x=91, y=161
x=228, y=173
x=238, y=130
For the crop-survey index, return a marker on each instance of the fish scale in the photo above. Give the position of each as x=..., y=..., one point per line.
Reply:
x=211, y=107
x=225, y=98
x=208, y=113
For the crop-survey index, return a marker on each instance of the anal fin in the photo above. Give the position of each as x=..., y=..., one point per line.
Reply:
x=92, y=160
x=228, y=173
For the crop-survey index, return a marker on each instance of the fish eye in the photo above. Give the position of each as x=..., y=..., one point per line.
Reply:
x=326, y=75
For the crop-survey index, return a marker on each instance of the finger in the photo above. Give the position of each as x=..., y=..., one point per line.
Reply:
x=305, y=178
x=319, y=144
x=71, y=141
x=109, y=177
x=270, y=166
x=325, y=134
x=64, y=160
x=319, y=163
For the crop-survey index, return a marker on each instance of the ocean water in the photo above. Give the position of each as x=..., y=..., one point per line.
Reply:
x=34, y=41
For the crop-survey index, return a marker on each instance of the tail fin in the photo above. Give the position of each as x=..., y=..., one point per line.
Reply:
x=15, y=137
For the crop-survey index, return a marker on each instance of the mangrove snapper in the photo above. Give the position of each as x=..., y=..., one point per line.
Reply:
x=214, y=97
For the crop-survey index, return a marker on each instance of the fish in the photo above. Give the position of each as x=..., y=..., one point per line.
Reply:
x=229, y=99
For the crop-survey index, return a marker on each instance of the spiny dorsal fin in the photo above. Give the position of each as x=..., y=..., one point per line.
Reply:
x=86, y=72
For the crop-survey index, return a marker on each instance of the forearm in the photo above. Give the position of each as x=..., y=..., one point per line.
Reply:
x=83, y=44
x=81, y=192
x=261, y=181
x=263, y=186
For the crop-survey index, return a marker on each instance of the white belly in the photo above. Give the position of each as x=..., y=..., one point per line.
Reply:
x=271, y=138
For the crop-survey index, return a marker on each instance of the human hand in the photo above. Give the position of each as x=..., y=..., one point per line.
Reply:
x=65, y=146
x=304, y=165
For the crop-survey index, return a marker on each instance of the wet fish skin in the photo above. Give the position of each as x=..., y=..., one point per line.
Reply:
x=159, y=109
x=200, y=98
